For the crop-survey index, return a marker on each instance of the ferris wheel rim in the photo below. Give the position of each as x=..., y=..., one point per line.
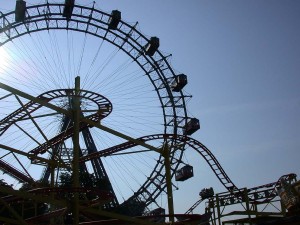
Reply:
x=158, y=62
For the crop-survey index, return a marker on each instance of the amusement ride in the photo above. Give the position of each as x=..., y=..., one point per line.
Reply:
x=94, y=125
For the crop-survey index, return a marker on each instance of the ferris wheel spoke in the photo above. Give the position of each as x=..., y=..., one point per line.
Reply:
x=87, y=76
x=29, y=135
x=30, y=59
x=25, y=170
x=5, y=96
x=133, y=152
x=40, y=116
x=31, y=157
x=34, y=122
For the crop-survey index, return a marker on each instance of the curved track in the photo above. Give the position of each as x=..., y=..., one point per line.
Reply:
x=260, y=194
x=196, y=145
x=269, y=190
x=206, y=154
x=104, y=106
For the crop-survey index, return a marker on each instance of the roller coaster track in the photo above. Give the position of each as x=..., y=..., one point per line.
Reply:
x=31, y=106
x=14, y=172
x=211, y=161
x=102, y=195
x=256, y=195
x=198, y=147
x=190, y=210
x=104, y=107
x=259, y=194
x=62, y=136
x=263, y=194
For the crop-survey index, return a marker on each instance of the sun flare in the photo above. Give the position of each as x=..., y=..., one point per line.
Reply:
x=4, y=59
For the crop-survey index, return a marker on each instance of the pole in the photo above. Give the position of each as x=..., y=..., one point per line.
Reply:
x=245, y=192
x=76, y=120
x=218, y=209
x=166, y=155
x=52, y=168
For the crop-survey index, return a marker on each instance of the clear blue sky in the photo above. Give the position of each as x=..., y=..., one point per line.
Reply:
x=242, y=59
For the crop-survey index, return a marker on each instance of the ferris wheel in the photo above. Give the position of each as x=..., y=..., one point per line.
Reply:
x=63, y=59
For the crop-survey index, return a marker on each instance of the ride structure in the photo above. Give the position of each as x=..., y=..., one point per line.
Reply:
x=59, y=122
x=258, y=205
x=94, y=125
